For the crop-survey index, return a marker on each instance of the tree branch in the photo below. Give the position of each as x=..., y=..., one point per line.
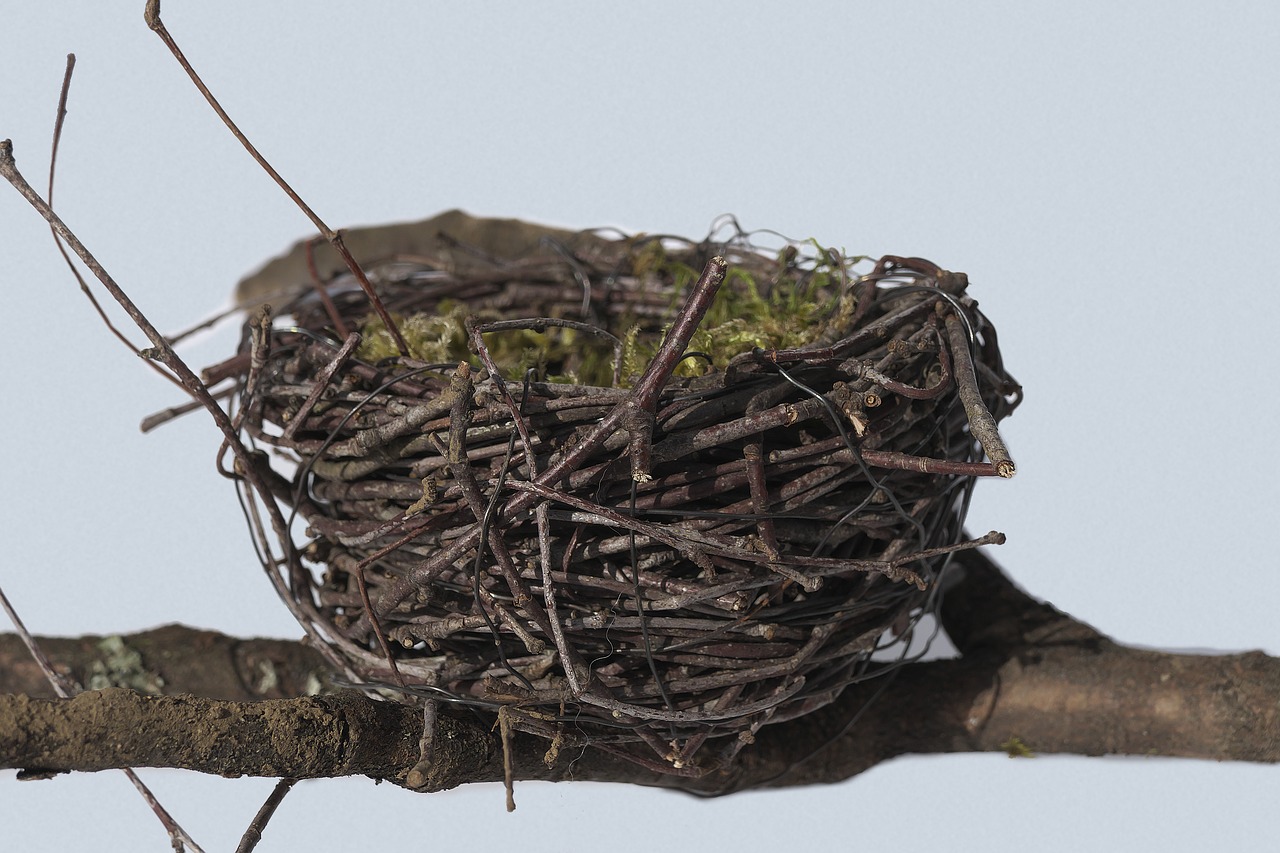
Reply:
x=1031, y=679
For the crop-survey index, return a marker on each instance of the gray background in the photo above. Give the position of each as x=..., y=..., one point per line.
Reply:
x=1105, y=172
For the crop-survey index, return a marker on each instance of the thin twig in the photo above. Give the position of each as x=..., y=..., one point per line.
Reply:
x=56, y=681
x=981, y=423
x=419, y=775
x=162, y=351
x=253, y=834
x=323, y=378
x=84, y=286
x=66, y=690
x=152, y=16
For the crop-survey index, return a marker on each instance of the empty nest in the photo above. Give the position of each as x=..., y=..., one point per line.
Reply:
x=602, y=505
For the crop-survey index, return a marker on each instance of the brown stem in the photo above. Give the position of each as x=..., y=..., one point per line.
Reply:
x=1067, y=697
x=253, y=834
x=323, y=378
x=62, y=250
x=162, y=350
x=1030, y=677
x=152, y=16
x=981, y=424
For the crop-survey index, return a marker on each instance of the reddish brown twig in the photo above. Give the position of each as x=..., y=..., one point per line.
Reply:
x=152, y=16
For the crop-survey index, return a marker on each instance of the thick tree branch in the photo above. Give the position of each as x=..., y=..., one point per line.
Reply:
x=1030, y=679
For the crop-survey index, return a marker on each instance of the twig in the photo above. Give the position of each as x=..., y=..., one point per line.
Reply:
x=253, y=834
x=981, y=423
x=152, y=16
x=162, y=417
x=638, y=419
x=163, y=352
x=84, y=286
x=56, y=681
x=65, y=690
x=420, y=774
x=323, y=378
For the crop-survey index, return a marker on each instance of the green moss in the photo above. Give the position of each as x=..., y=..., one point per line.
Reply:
x=1015, y=748
x=434, y=338
x=800, y=305
x=557, y=355
x=799, y=308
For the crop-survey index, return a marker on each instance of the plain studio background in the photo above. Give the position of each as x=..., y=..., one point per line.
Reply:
x=1105, y=173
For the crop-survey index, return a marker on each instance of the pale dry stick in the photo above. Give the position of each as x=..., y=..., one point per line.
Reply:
x=505, y=730
x=895, y=461
x=577, y=681
x=459, y=418
x=259, y=352
x=753, y=457
x=981, y=424
x=64, y=690
x=57, y=135
x=993, y=537
x=152, y=16
x=164, y=353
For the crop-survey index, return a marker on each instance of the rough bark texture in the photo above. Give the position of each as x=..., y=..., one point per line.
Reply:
x=1029, y=679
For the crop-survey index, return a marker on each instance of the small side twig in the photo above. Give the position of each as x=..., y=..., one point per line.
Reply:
x=323, y=378
x=420, y=774
x=981, y=424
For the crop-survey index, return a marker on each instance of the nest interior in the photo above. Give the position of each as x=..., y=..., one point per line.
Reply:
x=641, y=492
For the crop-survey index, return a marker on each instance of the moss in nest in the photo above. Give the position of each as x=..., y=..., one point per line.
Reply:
x=800, y=305
x=558, y=355
x=434, y=338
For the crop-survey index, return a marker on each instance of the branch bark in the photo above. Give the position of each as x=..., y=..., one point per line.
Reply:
x=1030, y=679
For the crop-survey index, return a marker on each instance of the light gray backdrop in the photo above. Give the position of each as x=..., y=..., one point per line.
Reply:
x=1105, y=172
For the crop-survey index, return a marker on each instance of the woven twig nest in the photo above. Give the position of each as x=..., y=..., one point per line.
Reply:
x=546, y=513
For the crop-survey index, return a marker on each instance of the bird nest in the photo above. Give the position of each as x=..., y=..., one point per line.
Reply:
x=642, y=492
